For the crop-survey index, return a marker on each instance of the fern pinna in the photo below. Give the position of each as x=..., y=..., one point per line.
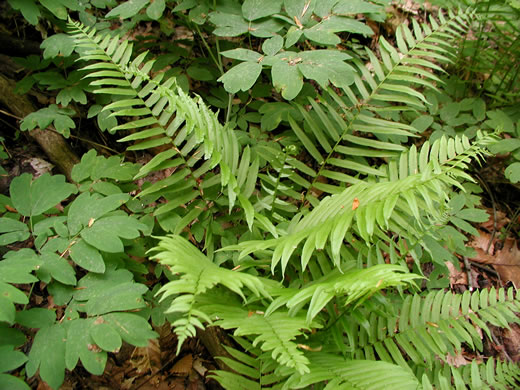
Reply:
x=335, y=227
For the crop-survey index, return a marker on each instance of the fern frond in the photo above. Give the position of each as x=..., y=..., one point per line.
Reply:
x=351, y=286
x=368, y=209
x=353, y=374
x=194, y=139
x=339, y=131
x=197, y=275
x=431, y=327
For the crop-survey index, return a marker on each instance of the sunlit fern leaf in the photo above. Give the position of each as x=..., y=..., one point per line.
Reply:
x=353, y=374
x=349, y=286
x=192, y=138
x=252, y=369
x=275, y=334
x=343, y=131
x=197, y=275
x=369, y=209
x=430, y=327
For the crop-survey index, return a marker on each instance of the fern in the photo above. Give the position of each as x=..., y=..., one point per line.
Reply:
x=169, y=118
x=421, y=183
x=342, y=132
x=198, y=276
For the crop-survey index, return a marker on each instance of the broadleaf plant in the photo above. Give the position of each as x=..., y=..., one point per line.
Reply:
x=313, y=219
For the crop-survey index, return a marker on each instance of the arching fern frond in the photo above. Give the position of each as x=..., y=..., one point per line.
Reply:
x=417, y=189
x=193, y=140
x=353, y=374
x=429, y=328
x=197, y=275
x=344, y=131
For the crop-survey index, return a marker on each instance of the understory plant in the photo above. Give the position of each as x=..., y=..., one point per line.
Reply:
x=308, y=231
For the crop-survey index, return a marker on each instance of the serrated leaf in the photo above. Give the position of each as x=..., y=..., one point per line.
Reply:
x=241, y=77
x=72, y=93
x=127, y=9
x=87, y=257
x=32, y=198
x=48, y=355
x=256, y=9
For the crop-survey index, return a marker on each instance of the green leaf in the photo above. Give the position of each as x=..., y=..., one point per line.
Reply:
x=133, y=329
x=256, y=9
x=505, y=145
x=242, y=55
x=59, y=117
x=12, y=383
x=11, y=336
x=87, y=257
x=16, y=231
x=105, y=336
x=512, y=172
x=127, y=9
x=32, y=198
x=79, y=346
x=287, y=79
x=13, y=294
x=272, y=45
x=86, y=209
x=58, y=45
x=155, y=9
x=104, y=233
x=100, y=167
x=126, y=296
x=10, y=360
x=241, y=77
x=28, y=8
x=48, y=354
x=56, y=267
x=17, y=266
x=56, y=7
x=73, y=93
x=36, y=318
x=7, y=310
x=352, y=7
x=228, y=25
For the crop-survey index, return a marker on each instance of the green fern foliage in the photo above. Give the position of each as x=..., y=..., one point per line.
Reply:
x=418, y=182
x=191, y=135
x=198, y=276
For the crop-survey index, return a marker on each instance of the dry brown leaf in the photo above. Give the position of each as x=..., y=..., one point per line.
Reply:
x=457, y=360
x=197, y=366
x=147, y=359
x=183, y=366
x=505, y=261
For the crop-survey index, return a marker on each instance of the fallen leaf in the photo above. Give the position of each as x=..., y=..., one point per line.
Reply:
x=456, y=360
x=505, y=261
x=183, y=366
